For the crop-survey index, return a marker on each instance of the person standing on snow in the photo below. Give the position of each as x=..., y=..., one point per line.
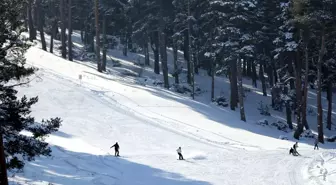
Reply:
x=179, y=152
x=316, y=143
x=116, y=149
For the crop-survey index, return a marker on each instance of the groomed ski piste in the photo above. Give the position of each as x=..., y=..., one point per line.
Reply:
x=150, y=123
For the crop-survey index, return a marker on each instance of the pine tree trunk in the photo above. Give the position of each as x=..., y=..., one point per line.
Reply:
x=249, y=68
x=104, y=43
x=330, y=97
x=25, y=16
x=53, y=35
x=291, y=73
x=270, y=75
x=190, y=61
x=176, y=73
x=155, y=48
x=275, y=74
x=241, y=91
x=233, y=84
x=244, y=67
x=147, y=61
x=99, y=66
x=32, y=31
x=82, y=35
x=40, y=17
x=319, y=91
x=125, y=45
x=213, y=79
x=3, y=169
x=305, y=89
x=254, y=74
x=63, y=28
x=262, y=79
x=70, y=30
x=187, y=55
x=298, y=106
x=288, y=110
x=163, y=47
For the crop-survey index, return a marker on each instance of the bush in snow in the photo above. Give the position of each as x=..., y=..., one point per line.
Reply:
x=308, y=134
x=331, y=139
x=264, y=110
x=281, y=126
x=158, y=82
x=263, y=122
x=221, y=101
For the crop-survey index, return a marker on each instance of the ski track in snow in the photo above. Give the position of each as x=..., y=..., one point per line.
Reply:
x=222, y=160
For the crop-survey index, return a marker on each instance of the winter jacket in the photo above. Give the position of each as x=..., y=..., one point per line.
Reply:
x=179, y=150
x=316, y=141
x=116, y=146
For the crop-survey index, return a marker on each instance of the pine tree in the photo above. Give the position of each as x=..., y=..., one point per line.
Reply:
x=15, y=112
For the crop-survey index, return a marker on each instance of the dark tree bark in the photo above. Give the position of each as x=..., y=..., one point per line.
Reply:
x=99, y=66
x=63, y=28
x=244, y=67
x=82, y=35
x=275, y=74
x=187, y=56
x=32, y=31
x=254, y=74
x=3, y=169
x=305, y=88
x=125, y=44
x=329, y=97
x=213, y=71
x=155, y=48
x=241, y=91
x=147, y=61
x=298, y=102
x=319, y=91
x=53, y=35
x=270, y=75
x=291, y=73
x=40, y=16
x=249, y=68
x=262, y=79
x=233, y=84
x=176, y=70
x=288, y=110
x=163, y=47
x=104, y=43
x=70, y=30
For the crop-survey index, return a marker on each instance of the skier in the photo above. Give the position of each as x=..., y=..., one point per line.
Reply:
x=116, y=149
x=179, y=152
x=295, y=152
x=316, y=143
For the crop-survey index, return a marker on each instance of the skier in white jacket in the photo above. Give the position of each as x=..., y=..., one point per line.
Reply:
x=179, y=152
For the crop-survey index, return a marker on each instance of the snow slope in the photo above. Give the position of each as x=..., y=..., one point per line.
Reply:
x=150, y=124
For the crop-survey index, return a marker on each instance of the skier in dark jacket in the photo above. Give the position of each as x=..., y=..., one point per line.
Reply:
x=295, y=152
x=179, y=152
x=116, y=149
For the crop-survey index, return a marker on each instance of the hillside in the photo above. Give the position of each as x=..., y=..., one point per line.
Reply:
x=150, y=123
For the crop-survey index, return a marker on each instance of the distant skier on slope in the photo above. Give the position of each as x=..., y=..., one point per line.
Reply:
x=179, y=152
x=316, y=143
x=116, y=149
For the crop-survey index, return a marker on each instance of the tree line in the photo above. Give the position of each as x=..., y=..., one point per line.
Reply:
x=287, y=45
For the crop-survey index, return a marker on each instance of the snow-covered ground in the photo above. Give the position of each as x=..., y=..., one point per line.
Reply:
x=150, y=123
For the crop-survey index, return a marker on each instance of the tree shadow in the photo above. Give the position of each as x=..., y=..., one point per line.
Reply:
x=75, y=168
